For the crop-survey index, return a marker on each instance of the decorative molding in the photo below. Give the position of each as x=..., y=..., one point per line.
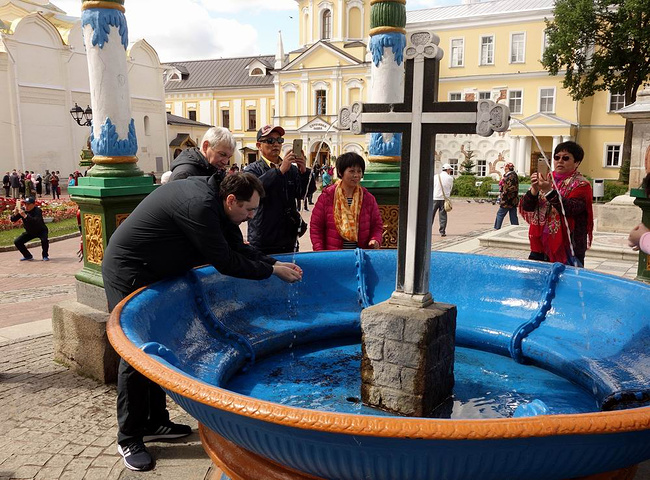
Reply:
x=390, y=216
x=94, y=241
x=120, y=217
x=100, y=20
x=109, y=144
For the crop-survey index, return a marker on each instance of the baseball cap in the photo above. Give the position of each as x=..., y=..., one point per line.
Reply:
x=446, y=166
x=30, y=200
x=266, y=130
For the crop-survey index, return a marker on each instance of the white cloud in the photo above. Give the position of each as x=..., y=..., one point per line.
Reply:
x=184, y=29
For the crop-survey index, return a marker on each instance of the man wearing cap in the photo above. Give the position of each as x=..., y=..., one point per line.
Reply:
x=442, y=185
x=508, y=197
x=32, y=218
x=217, y=146
x=276, y=226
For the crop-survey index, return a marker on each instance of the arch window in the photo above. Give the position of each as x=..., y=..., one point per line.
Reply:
x=326, y=25
x=321, y=102
x=147, y=125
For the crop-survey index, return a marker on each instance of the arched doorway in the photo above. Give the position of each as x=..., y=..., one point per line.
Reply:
x=321, y=157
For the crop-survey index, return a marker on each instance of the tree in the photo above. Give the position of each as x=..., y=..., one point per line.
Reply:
x=602, y=45
x=467, y=164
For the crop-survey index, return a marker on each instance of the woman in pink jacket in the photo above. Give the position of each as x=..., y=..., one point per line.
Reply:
x=346, y=215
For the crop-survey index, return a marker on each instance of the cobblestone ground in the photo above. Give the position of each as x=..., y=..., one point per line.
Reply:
x=58, y=425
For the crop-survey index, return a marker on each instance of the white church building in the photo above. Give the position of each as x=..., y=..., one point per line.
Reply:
x=43, y=73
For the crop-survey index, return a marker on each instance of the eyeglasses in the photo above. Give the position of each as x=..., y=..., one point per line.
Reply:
x=271, y=141
x=564, y=158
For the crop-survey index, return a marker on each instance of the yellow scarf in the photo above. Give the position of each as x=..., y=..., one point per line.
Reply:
x=347, y=217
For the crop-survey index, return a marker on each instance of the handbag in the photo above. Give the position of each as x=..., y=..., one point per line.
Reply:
x=448, y=205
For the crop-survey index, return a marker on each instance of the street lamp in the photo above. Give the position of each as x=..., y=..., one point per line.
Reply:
x=83, y=117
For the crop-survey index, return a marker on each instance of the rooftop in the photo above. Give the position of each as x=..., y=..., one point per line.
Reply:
x=479, y=9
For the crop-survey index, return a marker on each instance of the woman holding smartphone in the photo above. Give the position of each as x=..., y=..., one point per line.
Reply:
x=542, y=205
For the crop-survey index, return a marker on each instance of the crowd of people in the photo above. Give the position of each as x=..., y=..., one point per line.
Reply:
x=22, y=185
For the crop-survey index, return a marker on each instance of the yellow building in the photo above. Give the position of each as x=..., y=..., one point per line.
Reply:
x=492, y=50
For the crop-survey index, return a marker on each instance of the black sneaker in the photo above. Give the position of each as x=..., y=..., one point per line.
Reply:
x=136, y=456
x=167, y=431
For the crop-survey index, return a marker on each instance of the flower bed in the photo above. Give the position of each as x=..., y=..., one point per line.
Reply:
x=56, y=209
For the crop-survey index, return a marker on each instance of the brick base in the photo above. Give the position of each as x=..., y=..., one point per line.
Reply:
x=407, y=364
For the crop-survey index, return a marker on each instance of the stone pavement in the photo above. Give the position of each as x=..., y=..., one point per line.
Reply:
x=57, y=425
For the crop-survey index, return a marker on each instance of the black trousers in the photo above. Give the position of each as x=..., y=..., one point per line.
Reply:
x=141, y=403
x=26, y=237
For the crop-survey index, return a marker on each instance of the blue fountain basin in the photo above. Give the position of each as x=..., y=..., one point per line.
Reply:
x=575, y=339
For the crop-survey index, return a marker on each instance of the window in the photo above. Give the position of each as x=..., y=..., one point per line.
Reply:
x=252, y=119
x=257, y=72
x=191, y=114
x=616, y=101
x=147, y=126
x=484, y=95
x=487, y=50
x=515, y=101
x=455, y=96
x=613, y=155
x=547, y=100
x=481, y=168
x=457, y=52
x=544, y=42
x=321, y=102
x=454, y=165
x=252, y=158
x=225, y=118
x=326, y=25
x=517, y=47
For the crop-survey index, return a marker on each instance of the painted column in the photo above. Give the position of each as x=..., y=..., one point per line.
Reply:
x=521, y=155
x=387, y=43
x=514, y=141
x=114, y=185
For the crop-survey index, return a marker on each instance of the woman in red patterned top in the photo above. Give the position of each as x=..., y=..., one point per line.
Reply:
x=541, y=207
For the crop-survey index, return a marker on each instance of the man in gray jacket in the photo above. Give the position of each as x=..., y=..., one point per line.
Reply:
x=217, y=146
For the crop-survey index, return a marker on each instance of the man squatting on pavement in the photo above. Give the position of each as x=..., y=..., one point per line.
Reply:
x=32, y=217
x=180, y=225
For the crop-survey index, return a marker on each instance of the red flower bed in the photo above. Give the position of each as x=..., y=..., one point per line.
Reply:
x=56, y=209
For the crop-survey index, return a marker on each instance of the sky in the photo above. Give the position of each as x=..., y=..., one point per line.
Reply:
x=207, y=29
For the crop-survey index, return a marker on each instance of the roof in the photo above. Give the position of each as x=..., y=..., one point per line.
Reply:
x=220, y=73
x=176, y=120
x=180, y=139
x=479, y=9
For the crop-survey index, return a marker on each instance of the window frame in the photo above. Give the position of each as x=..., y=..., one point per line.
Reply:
x=254, y=118
x=225, y=112
x=523, y=51
x=318, y=94
x=482, y=92
x=451, y=52
x=191, y=114
x=539, y=98
x=482, y=168
x=521, y=98
x=606, y=147
x=326, y=26
x=460, y=96
x=455, y=164
x=480, y=49
x=609, y=102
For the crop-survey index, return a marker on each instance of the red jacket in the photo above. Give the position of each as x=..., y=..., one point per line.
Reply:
x=322, y=228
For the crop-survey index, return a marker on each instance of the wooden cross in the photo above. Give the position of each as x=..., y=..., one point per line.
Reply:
x=419, y=119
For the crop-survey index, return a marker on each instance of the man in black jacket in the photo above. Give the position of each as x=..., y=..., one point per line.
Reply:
x=217, y=146
x=32, y=217
x=276, y=227
x=179, y=226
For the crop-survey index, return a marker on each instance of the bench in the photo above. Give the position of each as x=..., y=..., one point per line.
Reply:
x=494, y=189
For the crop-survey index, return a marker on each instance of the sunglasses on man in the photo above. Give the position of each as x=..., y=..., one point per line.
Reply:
x=271, y=141
x=564, y=158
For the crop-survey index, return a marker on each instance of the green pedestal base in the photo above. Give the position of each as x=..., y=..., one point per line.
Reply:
x=104, y=204
x=643, y=270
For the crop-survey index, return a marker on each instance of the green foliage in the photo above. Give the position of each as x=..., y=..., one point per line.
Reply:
x=624, y=171
x=601, y=44
x=614, y=189
x=468, y=164
x=485, y=186
x=464, y=186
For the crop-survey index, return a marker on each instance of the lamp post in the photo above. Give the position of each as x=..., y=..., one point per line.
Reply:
x=84, y=118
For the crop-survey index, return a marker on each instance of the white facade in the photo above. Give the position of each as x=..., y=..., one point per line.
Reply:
x=43, y=72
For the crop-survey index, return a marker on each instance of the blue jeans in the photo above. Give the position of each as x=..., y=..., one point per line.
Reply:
x=501, y=214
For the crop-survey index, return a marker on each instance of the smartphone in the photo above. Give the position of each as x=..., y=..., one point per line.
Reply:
x=542, y=168
x=297, y=147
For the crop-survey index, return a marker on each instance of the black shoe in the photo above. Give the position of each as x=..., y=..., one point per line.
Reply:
x=136, y=456
x=168, y=431
x=443, y=234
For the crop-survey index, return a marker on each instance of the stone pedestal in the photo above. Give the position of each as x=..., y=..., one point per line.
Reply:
x=79, y=333
x=618, y=216
x=407, y=364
